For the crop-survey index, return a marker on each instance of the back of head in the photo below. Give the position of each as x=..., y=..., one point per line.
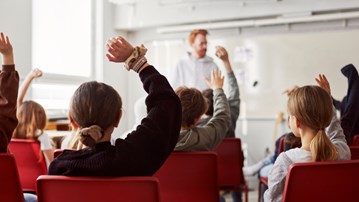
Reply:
x=313, y=107
x=208, y=93
x=194, y=105
x=32, y=117
x=194, y=33
x=95, y=106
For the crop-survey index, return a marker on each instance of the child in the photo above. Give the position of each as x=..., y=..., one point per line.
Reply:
x=96, y=109
x=310, y=110
x=32, y=119
x=194, y=105
x=9, y=84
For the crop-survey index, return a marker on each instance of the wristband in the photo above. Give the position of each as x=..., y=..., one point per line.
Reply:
x=133, y=60
x=139, y=64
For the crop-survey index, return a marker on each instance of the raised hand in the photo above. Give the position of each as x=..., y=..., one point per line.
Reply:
x=216, y=81
x=35, y=73
x=118, y=49
x=6, y=50
x=323, y=82
x=221, y=53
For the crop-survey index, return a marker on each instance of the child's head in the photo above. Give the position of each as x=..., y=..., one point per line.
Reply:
x=194, y=105
x=32, y=120
x=95, y=110
x=312, y=107
x=208, y=93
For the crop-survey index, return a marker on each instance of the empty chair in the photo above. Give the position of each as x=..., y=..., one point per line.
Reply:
x=354, y=151
x=90, y=189
x=355, y=141
x=189, y=176
x=230, y=164
x=30, y=161
x=10, y=187
x=322, y=181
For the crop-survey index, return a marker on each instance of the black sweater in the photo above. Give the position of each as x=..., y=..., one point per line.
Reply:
x=144, y=150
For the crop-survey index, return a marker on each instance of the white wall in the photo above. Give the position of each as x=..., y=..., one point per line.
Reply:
x=15, y=21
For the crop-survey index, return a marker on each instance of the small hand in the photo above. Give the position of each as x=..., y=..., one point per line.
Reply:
x=323, y=82
x=216, y=81
x=118, y=49
x=6, y=49
x=35, y=73
x=221, y=53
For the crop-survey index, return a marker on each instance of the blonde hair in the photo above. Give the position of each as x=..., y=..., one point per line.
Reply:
x=194, y=105
x=32, y=120
x=313, y=107
x=194, y=33
x=94, y=108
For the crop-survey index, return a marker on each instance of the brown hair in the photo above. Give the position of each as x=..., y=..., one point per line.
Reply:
x=313, y=107
x=194, y=105
x=31, y=116
x=93, y=104
x=194, y=33
x=208, y=93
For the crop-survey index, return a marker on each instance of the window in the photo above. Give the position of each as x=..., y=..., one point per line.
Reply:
x=62, y=49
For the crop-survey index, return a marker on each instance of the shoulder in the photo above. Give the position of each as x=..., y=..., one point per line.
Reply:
x=298, y=155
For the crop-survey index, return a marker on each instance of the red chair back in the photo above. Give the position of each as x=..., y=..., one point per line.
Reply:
x=322, y=181
x=90, y=189
x=355, y=141
x=10, y=187
x=30, y=161
x=354, y=151
x=189, y=176
x=230, y=162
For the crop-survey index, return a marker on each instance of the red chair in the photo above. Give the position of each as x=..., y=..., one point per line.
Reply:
x=230, y=164
x=322, y=181
x=355, y=141
x=90, y=189
x=189, y=176
x=354, y=151
x=30, y=161
x=10, y=187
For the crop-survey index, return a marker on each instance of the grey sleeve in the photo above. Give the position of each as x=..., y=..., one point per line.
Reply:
x=233, y=99
x=335, y=133
x=218, y=125
x=277, y=178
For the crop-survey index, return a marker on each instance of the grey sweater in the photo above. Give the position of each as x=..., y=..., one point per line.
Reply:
x=277, y=176
x=207, y=137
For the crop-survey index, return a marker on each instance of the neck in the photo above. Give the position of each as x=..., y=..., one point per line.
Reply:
x=106, y=135
x=306, y=138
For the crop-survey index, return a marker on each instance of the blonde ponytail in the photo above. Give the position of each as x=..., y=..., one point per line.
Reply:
x=322, y=148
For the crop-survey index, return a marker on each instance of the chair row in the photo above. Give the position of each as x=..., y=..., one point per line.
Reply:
x=185, y=176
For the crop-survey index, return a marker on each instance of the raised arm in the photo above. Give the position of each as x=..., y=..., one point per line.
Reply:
x=233, y=93
x=33, y=74
x=9, y=84
x=154, y=139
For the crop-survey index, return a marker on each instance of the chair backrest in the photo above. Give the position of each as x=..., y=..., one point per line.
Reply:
x=10, y=187
x=354, y=151
x=355, y=141
x=189, y=176
x=90, y=189
x=322, y=181
x=57, y=152
x=230, y=162
x=281, y=145
x=30, y=161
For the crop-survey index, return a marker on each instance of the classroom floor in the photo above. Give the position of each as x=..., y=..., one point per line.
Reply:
x=252, y=196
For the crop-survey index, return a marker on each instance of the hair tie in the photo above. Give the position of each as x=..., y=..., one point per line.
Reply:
x=94, y=132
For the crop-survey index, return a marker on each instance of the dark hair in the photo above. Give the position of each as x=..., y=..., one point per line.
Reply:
x=194, y=105
x=95, y=103
x=208, y=93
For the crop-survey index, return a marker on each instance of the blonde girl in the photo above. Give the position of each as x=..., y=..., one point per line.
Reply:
x=311, y=111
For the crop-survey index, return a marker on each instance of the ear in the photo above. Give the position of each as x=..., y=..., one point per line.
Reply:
x=118, y=119
x=297, y=122
x=73, y=123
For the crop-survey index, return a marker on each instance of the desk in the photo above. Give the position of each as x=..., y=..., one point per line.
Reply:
x=58, y=125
